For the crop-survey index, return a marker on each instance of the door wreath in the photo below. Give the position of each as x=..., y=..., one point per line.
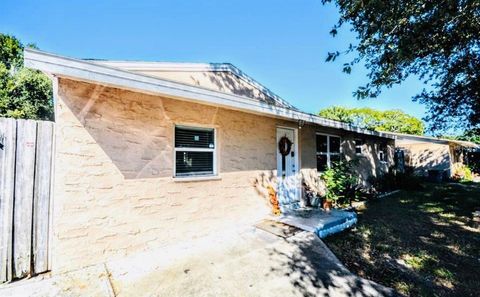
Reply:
x=284, y=146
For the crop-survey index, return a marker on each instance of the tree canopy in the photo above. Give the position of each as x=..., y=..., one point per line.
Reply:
x=471, y=135
x=389, y=120
x=436, y=41
x=24, y=93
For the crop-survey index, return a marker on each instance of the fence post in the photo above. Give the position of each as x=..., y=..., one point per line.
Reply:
x=7, y=171
x=41, y=198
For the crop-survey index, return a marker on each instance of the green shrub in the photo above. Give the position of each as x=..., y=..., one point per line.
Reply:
x=462, y=173
x=341, y=183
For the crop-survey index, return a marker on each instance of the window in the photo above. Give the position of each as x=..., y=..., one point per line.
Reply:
x=382, y=154
x=194, y=151
x=328, y=151
x=358, y=146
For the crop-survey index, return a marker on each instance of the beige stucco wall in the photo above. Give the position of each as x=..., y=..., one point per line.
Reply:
x=114, y=192
x=222, y=81
x=426, y=156
x=368, y=162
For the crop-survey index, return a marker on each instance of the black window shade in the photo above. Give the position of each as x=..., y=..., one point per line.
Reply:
x=193, y=163
x=194, y=138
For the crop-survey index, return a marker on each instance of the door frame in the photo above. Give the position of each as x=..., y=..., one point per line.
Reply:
x=296, y=159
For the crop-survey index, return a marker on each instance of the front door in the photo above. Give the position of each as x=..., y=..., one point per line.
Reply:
x=287, y=169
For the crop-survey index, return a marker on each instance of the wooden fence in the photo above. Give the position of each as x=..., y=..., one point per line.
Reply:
x=26, y=148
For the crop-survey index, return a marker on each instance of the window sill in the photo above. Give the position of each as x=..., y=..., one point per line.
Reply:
x=187, y=179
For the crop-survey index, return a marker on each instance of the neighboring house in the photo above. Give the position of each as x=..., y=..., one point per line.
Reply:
x=430, y=155
x=150, y=155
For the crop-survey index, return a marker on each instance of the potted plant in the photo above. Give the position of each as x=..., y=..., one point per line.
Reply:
x=327, y=204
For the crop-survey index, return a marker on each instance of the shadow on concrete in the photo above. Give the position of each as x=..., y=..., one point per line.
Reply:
x=314, y=271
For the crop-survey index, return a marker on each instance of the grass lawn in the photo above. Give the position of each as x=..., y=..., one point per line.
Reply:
x=422, y=243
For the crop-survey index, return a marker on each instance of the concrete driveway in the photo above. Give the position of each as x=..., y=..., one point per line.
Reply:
x=256, y=263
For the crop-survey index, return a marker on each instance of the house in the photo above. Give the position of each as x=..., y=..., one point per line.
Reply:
x=430, y=155
x=150, y=155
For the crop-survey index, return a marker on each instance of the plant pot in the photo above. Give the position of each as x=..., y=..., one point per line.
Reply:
x=327, y=205
x=315, y=201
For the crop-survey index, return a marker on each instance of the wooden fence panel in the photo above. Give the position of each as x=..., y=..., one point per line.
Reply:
x=41, y=198
x=7, y=171
x=26, y=152
x=23, y=200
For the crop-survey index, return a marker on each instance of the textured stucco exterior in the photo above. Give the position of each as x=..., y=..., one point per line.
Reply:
x=369, y=163
x=424, y=156
x=114, y=191
x=222, y=81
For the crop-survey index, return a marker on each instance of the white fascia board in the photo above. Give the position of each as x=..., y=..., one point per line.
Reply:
x=403, y=138
x=163, y=66
x=100, y=74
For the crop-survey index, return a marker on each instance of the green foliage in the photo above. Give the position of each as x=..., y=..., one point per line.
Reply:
x=462, y=173
x=435, y=41
x=341, y=182
x=390, y=120
x=11, y=51
x=472, y=135
x=24, y=93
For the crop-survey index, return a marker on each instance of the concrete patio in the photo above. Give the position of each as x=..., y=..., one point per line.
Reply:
x=250, y=263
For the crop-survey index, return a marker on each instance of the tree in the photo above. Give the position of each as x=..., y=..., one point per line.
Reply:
x=437, y=41
x=471, y=135
x=24, y=93
x=389, y=120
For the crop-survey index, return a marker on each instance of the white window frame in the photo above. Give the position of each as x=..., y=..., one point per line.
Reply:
x=382, y=155
x=360, y=146
x=328, y=153
x=192, y=149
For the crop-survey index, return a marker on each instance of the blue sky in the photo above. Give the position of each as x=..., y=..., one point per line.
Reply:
x=282, y=44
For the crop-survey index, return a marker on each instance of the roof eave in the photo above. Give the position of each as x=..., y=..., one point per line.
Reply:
x=93, y=72
x=431, y=139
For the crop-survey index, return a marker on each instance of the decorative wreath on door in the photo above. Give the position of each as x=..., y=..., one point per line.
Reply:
x=285, y=146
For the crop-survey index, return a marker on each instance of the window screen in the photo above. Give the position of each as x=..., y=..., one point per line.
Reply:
x=194, y=163
x=194, y=151
x=193, y=137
